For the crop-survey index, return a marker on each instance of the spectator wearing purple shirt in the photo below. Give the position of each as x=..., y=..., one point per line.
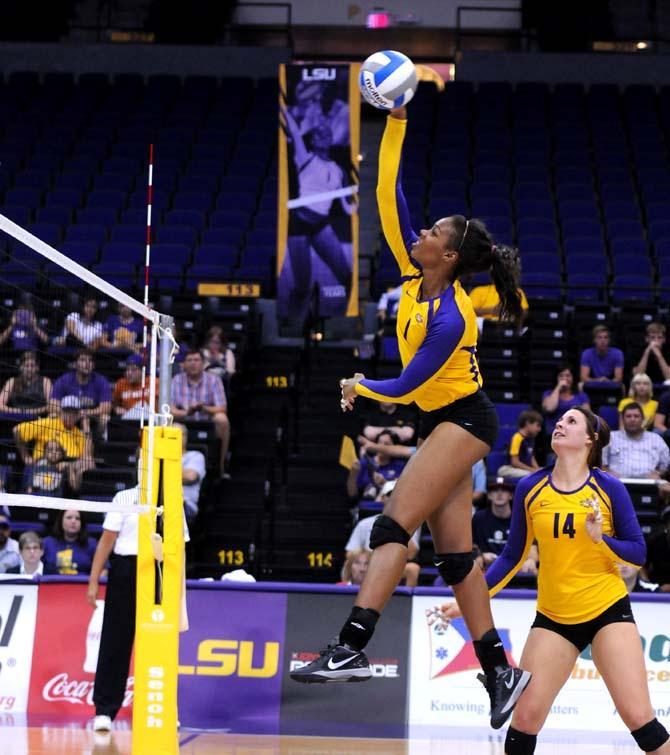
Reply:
x=601, y=362
x=69, y=550
x=123, y=331
x=367, y=476
x=198, y=395
x=23, y=329
x=556, y=402
x=92, y=389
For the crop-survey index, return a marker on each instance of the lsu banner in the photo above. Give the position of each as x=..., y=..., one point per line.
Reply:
x=317, y=214
x=444, y=690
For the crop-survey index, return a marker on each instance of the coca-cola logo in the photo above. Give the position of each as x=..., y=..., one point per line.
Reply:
x=62, y=689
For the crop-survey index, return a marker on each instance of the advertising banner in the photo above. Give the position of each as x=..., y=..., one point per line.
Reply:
x=317, y=213
x=444, y=690
x=377, y=707
x=18, y=611
x=230, y=661
x=67, y=640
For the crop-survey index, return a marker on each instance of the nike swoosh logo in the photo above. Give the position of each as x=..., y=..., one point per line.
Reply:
x=626, y=615
x=337, y=665
x=511, y=683
x=439, y=563
x=545, y=504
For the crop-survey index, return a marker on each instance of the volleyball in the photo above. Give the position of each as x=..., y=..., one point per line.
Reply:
x=388, y=79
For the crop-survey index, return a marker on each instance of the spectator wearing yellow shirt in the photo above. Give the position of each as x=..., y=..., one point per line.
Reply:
x=641, y=392
x=76, y=443
x=486, y=302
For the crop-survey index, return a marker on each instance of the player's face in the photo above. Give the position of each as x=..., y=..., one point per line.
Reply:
x=570, y=433
x=433, y=244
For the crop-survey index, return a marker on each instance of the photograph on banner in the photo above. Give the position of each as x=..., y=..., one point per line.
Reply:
x=67, y=640
x=317, y=222
x=230, y=661
x=377, y=707
x=18, y=614
x=444, y=690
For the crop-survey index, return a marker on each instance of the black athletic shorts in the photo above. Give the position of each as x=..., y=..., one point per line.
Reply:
x=581, y=635
x=475, y=413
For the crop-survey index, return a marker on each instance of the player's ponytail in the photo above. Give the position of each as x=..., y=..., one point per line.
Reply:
x=478, y=254
x=599, y=432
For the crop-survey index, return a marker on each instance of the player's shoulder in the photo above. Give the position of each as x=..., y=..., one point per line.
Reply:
x=608, y=482
x=529, y=483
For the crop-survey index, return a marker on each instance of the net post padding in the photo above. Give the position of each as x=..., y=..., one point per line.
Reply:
x=157, y=623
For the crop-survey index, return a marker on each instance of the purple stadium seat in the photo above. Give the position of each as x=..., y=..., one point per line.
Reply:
x=591, y=287
x=177, y=234
x=58, y=215
x=632, y=287
x=123, y=253
x=84, y=252
x=114, y=200
x=96, y=234
x=97, y=216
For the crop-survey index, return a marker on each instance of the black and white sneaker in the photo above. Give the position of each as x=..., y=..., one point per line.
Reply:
x=336, y=663
x=504, y=689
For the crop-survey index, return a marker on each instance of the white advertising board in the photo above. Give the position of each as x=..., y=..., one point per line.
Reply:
x=18, y=612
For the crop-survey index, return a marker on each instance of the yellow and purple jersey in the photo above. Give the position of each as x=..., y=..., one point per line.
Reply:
x=437, y=337
x=578, y=579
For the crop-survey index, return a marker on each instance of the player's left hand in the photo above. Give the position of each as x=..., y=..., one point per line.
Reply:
x=349, y=394
x=594, y=521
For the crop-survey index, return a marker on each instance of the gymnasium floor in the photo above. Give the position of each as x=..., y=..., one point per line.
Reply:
x=78, y=741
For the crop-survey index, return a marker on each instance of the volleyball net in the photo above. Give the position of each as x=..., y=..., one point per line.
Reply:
x=85, y=426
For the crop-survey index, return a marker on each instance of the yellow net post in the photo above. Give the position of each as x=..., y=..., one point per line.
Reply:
x=157, y=626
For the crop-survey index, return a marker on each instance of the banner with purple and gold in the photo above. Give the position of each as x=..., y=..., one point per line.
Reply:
x=317, y=214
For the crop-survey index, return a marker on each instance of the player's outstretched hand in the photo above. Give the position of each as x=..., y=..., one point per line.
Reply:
x=400, y=113
x=349, y=394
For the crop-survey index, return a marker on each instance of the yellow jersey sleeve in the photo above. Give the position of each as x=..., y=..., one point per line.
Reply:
x=393, y=210
x=515, y=444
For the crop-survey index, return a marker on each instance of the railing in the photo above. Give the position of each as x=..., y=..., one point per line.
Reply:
x=461, y=31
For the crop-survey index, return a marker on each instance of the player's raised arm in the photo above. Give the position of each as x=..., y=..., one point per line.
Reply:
x=393, y=210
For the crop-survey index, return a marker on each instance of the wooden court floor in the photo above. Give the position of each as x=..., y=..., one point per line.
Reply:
x=79, y=741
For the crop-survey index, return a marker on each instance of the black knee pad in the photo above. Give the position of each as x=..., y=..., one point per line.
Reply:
x=454, y=567
x=651, y=736
x=518, y=743
x=387, y=530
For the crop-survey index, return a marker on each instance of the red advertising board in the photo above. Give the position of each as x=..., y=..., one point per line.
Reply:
x=66, y=645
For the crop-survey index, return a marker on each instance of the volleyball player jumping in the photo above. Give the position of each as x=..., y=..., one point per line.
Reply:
x=437, y=335
x=585, y=523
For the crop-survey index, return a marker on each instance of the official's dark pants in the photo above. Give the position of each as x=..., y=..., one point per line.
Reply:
x=116, y=640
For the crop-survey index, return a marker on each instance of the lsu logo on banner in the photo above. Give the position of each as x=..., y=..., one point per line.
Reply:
x=451, y=649
x=230, y=657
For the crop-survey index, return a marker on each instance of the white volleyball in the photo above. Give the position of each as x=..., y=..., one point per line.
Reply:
x=388, y=79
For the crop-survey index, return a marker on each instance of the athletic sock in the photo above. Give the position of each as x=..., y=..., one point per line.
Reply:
x=359, y=627
x=491, y=653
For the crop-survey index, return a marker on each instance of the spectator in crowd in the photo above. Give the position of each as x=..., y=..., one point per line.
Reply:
x=9, y=548
x=657, y=565
x=385, y=415
x=633, y=452
x=31, y=552
x=640, y=393
x=92, y=389
x=562, y=397
x=479, y=483
x=490, y=527
x=219, y=357
x=123, y=331
x=355, y=567
x=193, y=472
x=655, y=358
x=486, y=303
x=23, y=330
x=522, y=446
x=197, y=395
x=368, y=474
x=388, y=304
x=69, y=550
x=50, y=474
x=633, y=580
x=27, y=393
x=81, y=328
x=360, y=539
x=662, y=418
x=129, y=393
x=601, y=362
x=76, y=443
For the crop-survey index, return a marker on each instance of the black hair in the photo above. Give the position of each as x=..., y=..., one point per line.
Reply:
x=633, y=405
x=394, y=438
x=599, y=432
x=563, y=367
x=479, y=254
